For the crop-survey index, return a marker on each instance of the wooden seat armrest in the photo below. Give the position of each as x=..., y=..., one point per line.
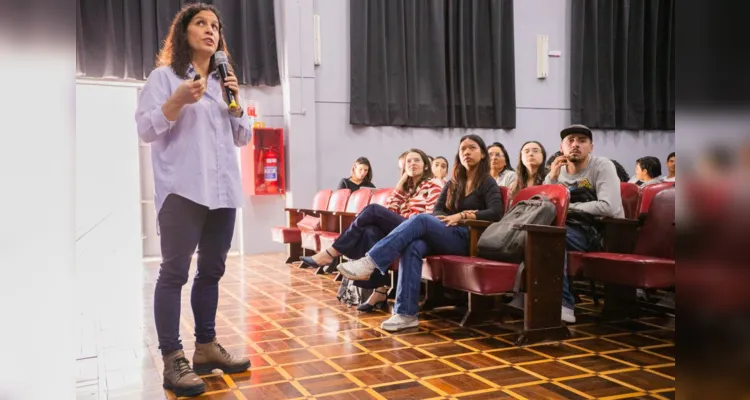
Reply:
x=618, y=221
x=475, y=223
x=544, y=260
x=306, y=211
x=476, y=228
x=533, y=228
x=329, y=221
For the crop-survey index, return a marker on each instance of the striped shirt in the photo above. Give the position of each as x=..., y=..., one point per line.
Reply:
x=421, y=202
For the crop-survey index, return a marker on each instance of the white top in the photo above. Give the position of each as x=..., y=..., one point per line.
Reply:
x=506, y=178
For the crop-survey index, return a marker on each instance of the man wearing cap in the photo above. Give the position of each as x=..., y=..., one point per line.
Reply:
x=579, y=170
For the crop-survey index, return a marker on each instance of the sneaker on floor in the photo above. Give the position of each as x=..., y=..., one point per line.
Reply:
x=211, y=356
x=179, y=377
x=398, y=322
x=357, y=270
x=568, y=315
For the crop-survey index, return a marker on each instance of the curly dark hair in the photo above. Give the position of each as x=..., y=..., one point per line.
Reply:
x=176, y=51
x=457, y=186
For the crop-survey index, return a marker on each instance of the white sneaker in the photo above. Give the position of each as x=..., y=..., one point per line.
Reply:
x=568, y=315
x=398, y=322
x=357, y=270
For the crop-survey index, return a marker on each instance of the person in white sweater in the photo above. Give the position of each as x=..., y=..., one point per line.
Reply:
x=577, y=168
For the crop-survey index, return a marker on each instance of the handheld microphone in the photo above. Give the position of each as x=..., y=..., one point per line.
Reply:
x=222, y=64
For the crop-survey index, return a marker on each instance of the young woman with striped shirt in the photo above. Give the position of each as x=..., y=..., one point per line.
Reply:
x=416, y=193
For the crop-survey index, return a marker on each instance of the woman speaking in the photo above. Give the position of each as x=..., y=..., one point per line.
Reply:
x=183, y=113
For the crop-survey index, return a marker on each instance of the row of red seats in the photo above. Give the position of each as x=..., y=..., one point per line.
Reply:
x=544, y=254
x=330, y=214
x=633, y=258
x=640, y=252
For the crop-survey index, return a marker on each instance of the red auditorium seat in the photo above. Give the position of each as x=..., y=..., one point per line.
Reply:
x=432, y=268
x=630, y=195
x=290, y=234
x=505, y=192
x=333, y=223
x=544, y=257
x=381, y=196
x=338, y=202
x=647, y=195
x=353, y=208
x=651, y=266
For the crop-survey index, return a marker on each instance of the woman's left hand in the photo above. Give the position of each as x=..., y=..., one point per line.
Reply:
x=231, y=84
x=450, y=220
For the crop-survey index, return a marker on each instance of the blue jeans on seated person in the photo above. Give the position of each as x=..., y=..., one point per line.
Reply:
x=575, y=240
x=372, y=224
x=419, y=236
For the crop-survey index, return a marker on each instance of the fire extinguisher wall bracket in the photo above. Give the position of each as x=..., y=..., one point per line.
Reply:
x=263, y=163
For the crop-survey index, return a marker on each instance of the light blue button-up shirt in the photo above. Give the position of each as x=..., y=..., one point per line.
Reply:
x=194, y=156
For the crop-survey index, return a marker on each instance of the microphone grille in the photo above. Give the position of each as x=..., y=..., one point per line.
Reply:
x=220, y=58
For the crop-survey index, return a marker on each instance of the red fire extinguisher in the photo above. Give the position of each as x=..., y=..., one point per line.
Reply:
x=271, y=170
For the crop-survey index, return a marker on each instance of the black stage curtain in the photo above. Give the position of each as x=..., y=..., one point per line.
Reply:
x=622, y=64
x=432, y=63
x=120, y=38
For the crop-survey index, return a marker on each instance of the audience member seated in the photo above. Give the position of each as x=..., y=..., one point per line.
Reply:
x=361, y=176
x=671, y=160
x=500, y=168
x=621, y=172
x=529, y=171
x=647, y=171
x=471, y=194
x=440, y=168
x=415, y=193
x=594, y=191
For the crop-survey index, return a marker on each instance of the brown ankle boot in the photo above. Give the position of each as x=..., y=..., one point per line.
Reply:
x=179, y=377
x=210, y=356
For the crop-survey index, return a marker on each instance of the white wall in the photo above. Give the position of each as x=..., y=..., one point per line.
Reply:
x=261, y=213
x=108, y=210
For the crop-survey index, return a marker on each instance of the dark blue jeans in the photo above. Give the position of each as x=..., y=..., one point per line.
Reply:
x=576, y=240
x=372, y=224
x=185, y=225
x=419, y=236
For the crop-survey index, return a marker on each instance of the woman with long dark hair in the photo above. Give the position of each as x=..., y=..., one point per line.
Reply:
x=183, y=114
x=415, y=193
x=361, y=176
x=530, y=170
x=500, y=168
x=471, y=194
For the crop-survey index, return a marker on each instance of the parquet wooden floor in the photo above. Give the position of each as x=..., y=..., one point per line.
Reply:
x=303, y=344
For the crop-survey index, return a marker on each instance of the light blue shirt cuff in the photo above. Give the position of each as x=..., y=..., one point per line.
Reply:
x=243, y=121
x=160, y=122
